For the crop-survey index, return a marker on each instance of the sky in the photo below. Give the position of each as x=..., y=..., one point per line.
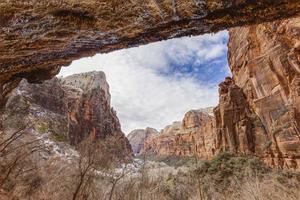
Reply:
x=156, y=84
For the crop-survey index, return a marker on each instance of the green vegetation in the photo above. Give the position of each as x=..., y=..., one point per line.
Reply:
x=267, y=145
x=42, y=127
x=226, y=167
x=256, y=121
x=58, y=137
x=19, y=105
x=15, y=122
x=284, y=177
x=227, y=177
x=174, y=161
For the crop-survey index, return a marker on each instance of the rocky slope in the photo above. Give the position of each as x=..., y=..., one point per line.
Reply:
x=194, y=136
x=138, y=137
x=65, y=110
x=47, y=34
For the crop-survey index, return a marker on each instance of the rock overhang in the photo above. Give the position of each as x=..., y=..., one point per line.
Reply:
x=37, y=38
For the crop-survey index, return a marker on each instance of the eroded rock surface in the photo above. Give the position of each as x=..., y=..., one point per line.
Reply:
x=238, y=129
x=90, y=112
x=194, y=136
x=265, y=61
x=66, y=110
x=38, y=37
x=138, y=137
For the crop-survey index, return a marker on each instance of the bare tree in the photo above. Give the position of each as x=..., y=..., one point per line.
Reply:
x=87, y=164
x=115, y=177
x=16, y=160
x=144, y=175
x=200, y=172
x=99, y=158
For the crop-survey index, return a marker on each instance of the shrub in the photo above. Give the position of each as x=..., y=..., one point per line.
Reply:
x=58, y=137
x=174, y=161
x=42, y=127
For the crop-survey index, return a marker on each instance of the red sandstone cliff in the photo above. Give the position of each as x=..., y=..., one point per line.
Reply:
x=67, y=110
x=90, y=112
x=193, y=136
x=138, y=137
x=238, y=129
x=259, y=108
x=265, y=62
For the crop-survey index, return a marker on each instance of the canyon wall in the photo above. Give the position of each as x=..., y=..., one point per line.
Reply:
x=265, y=62
x=194, y=136
x=138, y=137
x=90, y=112
x=238, y=129
x=66, y=110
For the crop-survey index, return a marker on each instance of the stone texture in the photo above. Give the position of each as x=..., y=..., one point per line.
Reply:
x=90, y=112
x=194, y=136
x=138, y=137
x=67, y=110
x=238, y=129
x=42, y=105
x=38, y=37
x=265, y=62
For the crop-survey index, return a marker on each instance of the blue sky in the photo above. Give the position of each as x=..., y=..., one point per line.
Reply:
x=155, y=84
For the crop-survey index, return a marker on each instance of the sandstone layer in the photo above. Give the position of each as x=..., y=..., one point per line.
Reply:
x=138, y=137
x=194, y=136
x=265, y=62
x=66, y=110
x=38, y=37
x=238, y=129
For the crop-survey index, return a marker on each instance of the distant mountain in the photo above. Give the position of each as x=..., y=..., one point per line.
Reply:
x=138, y=137
x=66, y=110
x=193, y=136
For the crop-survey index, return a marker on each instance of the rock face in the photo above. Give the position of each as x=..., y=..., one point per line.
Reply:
x=258, y=111
x=42, y=105
x=194, y=136
x=67, y=110
x=90, y=113
x=138, y=137
x=38, y=37
x=238, y=129
x=265, y=62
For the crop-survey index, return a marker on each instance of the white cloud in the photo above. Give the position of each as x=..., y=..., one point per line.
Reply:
x=141, y=95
